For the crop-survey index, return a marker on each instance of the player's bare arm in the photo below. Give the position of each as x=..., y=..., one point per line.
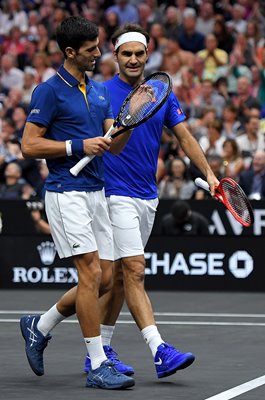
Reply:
x=35, y=145
x=193, y=150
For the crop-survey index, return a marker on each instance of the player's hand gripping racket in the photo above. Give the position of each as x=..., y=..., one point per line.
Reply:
x=233, y=197
x=140, y=105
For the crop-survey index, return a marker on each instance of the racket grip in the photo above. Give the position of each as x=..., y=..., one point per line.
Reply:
x=85, y=160
x=81, y=164
x=202, y=184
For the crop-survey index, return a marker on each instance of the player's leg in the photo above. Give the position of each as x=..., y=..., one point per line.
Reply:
x=111, y=304
x=132, y=221
x=66, y=231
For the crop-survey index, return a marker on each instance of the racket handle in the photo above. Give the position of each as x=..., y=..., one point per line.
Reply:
x=202, y=184
x=85, y=160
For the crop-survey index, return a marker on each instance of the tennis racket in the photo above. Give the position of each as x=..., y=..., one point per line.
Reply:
x=233, y=197
x=140, y=105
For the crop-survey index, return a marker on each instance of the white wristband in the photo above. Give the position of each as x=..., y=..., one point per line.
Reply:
x=68, y=147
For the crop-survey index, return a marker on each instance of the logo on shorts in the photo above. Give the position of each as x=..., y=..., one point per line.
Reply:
x=47, y=252
x=75, y=245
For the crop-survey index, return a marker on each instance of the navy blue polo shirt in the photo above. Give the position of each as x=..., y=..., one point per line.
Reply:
x=68, y=114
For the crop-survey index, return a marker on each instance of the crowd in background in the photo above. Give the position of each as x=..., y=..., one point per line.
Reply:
x=214, y=52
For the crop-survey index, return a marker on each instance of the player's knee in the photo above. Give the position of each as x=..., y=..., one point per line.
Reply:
x=106, y=283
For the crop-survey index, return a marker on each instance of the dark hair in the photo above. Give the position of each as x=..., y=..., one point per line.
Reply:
x=129, y=28
x=180, y=211
x=74, y=31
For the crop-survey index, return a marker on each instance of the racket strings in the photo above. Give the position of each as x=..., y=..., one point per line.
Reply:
x=143, y=103
x=237, y=201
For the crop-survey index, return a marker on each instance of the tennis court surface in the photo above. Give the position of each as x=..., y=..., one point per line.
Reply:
x=225, y=331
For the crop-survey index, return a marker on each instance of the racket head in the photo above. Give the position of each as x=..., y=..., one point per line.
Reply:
x=233, y=197
x=161, y=84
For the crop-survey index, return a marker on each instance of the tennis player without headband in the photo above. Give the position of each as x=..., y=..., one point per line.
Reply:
x=69, y=115
x=131, y=190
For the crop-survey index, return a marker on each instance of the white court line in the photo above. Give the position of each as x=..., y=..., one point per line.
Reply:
x=202, y=323
x=237, y=390
x=166, y=314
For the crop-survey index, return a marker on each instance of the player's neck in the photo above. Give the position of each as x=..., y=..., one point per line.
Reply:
x=80, y=76
x=133, y=81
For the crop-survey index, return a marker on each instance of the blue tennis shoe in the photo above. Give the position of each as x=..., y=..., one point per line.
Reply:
x=113, y=357
x=107, y=377
x=168, y=360
x=35, y=342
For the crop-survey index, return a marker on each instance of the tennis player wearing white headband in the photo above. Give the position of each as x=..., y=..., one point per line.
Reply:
x=130, y=37
x=131, y=191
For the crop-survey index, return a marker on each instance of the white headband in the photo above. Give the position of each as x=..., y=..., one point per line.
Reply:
x=130, y=37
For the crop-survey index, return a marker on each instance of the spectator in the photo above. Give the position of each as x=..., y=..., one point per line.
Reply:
x=231, y=125
x=250, y=141
x=19, y=117
x=13, y=186
x=13, y=100
x=107, y=68
x=260, y=64
x=43, y=70
x=43, y=38
x=189, y=39
x=28, y=85
x=55, y=55
x=11, y=76
x=221, y=87
x=213, y=57
x=125, y=11
x=237, y=24
x=205, y=19
x=111, y=22
x=171, y=22
x=232, y=159
x=182, y=221
x=224, y=38
x=14, y=43
x=154, y=57
x=233, y=70
x=13, y=15
x=212, y=144
x=182, y=6
x=242, y=46
x=158, y=32
x=177, y=183
x=243, y=99
x=172, y=49
x=26, y=59
x=208, y=97
x=252, y=181
x=199, y=126
x=173, y=68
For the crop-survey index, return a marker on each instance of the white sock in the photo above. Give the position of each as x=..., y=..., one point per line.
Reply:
x=95, y=350
x=106, y=334
x=152, y=338
x=49, y=320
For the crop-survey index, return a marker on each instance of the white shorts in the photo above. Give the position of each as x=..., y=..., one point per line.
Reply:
x=132, y=221
x=80, y=223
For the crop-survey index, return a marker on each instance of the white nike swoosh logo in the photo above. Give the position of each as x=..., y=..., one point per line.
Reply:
x=159, y=362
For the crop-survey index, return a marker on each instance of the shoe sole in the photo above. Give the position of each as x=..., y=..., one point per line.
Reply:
x=37, y=372
x=124, y=373
x=186, y=363
x=125, y=385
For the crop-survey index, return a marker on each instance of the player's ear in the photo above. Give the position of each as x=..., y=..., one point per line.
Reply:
x=70, y=52
x=115, y=56
x=147, y=54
